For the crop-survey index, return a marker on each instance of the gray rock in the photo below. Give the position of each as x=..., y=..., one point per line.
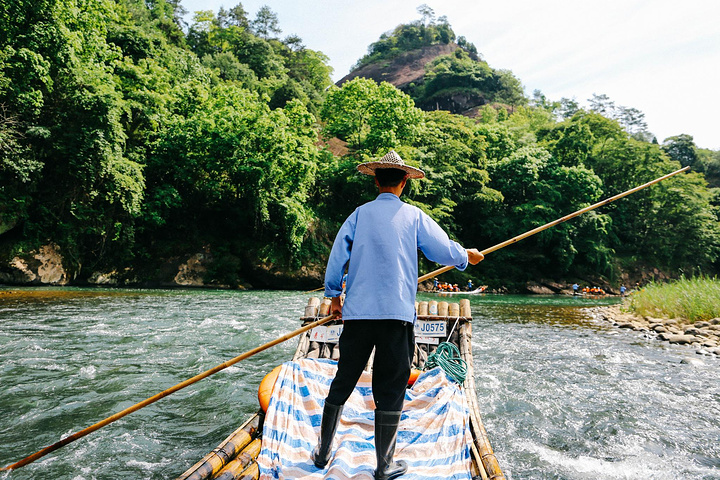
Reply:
x=682, y=339
x=99, y=278
x=707, y=332
x=692, y=361
x=537, y=289
x=43, y=266
x=659, y=329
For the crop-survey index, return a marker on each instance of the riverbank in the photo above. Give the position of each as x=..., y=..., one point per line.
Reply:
x=703, y=337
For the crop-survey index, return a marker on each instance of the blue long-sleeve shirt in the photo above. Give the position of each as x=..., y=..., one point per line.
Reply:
x=378, y=243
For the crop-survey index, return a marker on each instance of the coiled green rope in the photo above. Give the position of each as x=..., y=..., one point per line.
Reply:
x=447, y=357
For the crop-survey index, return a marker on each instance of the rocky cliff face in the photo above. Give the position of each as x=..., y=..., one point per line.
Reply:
x=407, y=71
x=41, y=267
x=45, y=267
x=403, y=70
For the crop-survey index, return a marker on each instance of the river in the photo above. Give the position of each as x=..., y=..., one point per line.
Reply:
x=563, y=395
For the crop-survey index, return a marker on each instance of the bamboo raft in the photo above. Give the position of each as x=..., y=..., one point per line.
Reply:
x=236, y=457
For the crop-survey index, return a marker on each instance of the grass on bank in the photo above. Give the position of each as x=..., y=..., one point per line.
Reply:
x=694, y=299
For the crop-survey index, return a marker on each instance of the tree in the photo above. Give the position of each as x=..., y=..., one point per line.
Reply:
x=570, y=142
x=199, y=35
x=603, y=105
x=266, y=23
x=238, y=16
x=230, y=168
x=632, y=119
x=568, y=107
x=371, y=117
x=69, y=114
x=452, y=153
x=427, y=13
x=509, y=89
x=682, y=149
x=537, y=190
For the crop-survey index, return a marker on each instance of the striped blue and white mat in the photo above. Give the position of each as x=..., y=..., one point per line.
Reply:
x=434, y=435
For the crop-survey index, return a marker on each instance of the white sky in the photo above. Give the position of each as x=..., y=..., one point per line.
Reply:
x=659, y=56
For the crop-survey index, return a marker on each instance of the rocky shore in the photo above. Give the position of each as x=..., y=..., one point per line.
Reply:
x=47, y=267
x=703, y=337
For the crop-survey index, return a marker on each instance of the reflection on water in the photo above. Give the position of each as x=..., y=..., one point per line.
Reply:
x=563, y=395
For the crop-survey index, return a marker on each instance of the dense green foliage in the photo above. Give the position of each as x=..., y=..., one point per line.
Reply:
x=133, y=144
x=695, y=299
x=463, y=75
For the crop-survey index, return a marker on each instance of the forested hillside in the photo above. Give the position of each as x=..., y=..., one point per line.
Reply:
x=423, y=60
x=134, y=145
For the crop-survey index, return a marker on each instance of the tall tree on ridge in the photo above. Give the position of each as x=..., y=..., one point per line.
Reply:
x=266, y=23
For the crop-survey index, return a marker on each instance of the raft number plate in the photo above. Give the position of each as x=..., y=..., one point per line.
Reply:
x=431, y=328
x=329, y=334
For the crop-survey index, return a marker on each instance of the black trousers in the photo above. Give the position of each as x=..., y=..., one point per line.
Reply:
x=394, y=343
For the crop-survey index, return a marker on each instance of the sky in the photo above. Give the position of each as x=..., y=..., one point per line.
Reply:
x=661, y=57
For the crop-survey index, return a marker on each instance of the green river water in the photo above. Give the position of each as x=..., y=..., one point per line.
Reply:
x=563, y=395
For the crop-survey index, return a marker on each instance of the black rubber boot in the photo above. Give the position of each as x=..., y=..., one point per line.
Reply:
x=386, y=427
x=328, y=427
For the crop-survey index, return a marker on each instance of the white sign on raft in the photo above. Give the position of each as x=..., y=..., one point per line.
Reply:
x=329, y=334
x=428, y=340
x=430, y=328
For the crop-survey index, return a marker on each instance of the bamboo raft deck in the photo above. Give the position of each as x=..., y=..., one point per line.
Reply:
x=235, y=458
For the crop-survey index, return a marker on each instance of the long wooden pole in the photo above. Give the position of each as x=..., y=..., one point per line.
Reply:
x=163, y=394
x=556, y=222
x=307, y=327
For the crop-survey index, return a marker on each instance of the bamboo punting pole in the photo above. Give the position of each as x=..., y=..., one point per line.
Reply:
x=307, y=327
x=164, y=394
x=315, y=289
x=555, y=222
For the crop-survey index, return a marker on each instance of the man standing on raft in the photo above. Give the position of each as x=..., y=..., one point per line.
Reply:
x=378, y=244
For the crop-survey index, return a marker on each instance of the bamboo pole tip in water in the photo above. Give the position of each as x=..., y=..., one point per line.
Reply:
x=313, y=302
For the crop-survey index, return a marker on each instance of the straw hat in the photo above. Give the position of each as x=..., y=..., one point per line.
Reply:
x=391, y=160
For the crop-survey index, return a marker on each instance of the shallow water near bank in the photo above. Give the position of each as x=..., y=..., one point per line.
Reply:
x=563, y=395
